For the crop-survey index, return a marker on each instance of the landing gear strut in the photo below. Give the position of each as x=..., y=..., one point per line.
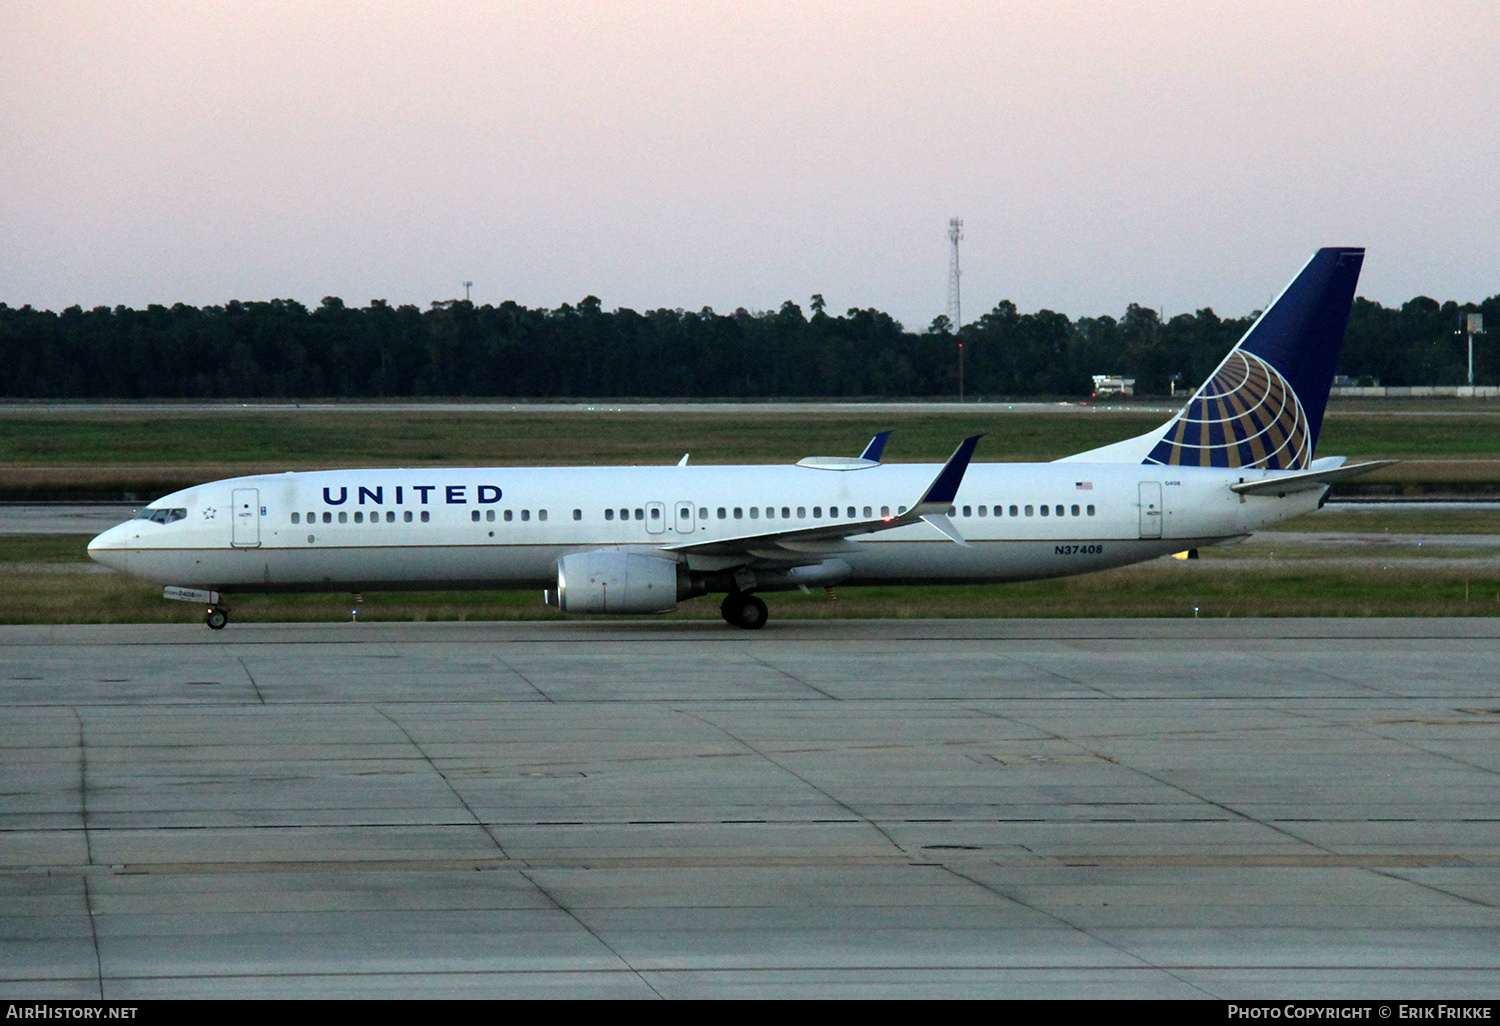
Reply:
x=744, y=610
x=216, y=617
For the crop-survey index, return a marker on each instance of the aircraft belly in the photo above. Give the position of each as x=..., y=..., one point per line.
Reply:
x=276, y=569
x=1001, y=560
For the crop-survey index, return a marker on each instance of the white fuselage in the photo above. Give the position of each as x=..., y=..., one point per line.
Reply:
x=353, y=530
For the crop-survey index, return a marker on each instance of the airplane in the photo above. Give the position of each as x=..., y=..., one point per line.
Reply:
x=1237, y=458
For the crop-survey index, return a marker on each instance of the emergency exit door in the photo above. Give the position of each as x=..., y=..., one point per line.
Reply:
x=246, y=518
x=683, y=522
x=1151, y=509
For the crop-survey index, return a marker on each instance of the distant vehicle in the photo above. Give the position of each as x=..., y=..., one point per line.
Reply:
x=1112, y=384
x=1237, y=458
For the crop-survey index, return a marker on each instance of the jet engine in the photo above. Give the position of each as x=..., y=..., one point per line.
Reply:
x=607, y=581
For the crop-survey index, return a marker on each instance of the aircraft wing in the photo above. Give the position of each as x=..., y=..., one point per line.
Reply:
x=805, y=544
x=1301, y=481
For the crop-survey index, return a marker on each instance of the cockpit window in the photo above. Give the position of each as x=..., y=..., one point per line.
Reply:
x=162, y=516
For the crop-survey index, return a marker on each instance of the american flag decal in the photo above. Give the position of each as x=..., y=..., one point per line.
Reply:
x=1084, y=486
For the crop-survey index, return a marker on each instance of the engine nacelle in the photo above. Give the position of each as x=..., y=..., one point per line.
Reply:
x=616, y=582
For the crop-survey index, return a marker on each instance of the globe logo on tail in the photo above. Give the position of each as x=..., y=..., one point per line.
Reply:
x=1246, y=415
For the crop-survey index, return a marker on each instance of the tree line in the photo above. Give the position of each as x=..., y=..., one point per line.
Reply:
x=281, y=349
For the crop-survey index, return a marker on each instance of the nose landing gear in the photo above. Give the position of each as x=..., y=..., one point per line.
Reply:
x=744, y=611
x=216, y=617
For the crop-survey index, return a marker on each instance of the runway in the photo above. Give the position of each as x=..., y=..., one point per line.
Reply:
x=1099, y=808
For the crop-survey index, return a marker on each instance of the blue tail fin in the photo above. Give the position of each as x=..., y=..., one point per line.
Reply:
x=1264, y=405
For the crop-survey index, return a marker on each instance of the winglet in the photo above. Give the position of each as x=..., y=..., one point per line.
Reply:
x=876, y=447
x=683, y=462
x=944, y=487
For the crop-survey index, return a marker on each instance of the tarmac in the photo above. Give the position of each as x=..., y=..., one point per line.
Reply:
x=1032, y=808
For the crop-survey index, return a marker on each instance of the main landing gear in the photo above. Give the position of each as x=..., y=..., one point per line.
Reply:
x=744, y=610
x=216, y=617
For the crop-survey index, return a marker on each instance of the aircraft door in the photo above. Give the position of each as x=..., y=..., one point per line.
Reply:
x=246, y=518
x=1151, y=509
x=683, y=522
x=656, y=518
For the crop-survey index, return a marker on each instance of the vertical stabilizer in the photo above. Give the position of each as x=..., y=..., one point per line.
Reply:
x=1263, y=407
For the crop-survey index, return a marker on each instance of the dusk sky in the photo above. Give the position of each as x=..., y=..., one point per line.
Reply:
x=696, y=154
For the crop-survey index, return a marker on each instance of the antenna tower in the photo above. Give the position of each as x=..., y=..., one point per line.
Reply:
x=955, y=306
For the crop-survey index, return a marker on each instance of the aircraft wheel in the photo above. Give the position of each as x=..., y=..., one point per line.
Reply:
x=216, y=618
x=745, y=611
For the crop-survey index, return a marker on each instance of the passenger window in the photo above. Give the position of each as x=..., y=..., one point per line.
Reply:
x=900, y=510
x=851, y=513
x=1044, y=510
x=426, y=516
x=343, y=517
x=525, y=514
x=754, y=512
x=817, y=512
x=390, y=516
x=1059, y=511
x=406, y=516
x=1029, y=511
x=473, y=515
x=327, y=517
x=655, y=513
x=738, y=513
x=968, y=511
x=981, y=511
x=801, y=512
x=703, y=513
x=312, y=518
x=609, y=514
x=885, y=511
x=509, y=516
x=577, y=515
x=489, y=515
x=359, y=518
x=833, y=512
x=296, y=518
x=1075, y=511
x=1014, y=511
x=953, y=511
x=722, y=514
x=541, y=514
x=786, y=513
x=1091, y=511
x=868, y=512
x=640, y=514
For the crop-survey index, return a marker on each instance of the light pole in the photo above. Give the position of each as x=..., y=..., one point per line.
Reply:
x=1473, y=325
x=467, y=286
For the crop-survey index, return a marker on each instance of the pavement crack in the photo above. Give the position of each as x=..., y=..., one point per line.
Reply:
x=251, y=678
x=798, y=776
x=1006, y=896
x=790, y=676
x=565, y=910
x=453, y=790
x=83, y=789
x=88, y=907
x=529, y=682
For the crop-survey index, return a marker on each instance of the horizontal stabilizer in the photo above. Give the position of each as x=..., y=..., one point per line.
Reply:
x=1286, y=484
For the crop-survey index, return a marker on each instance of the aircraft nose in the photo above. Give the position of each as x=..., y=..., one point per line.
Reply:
x=109, y=547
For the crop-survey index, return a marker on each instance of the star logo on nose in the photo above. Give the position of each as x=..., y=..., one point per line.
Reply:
x=210, y=513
